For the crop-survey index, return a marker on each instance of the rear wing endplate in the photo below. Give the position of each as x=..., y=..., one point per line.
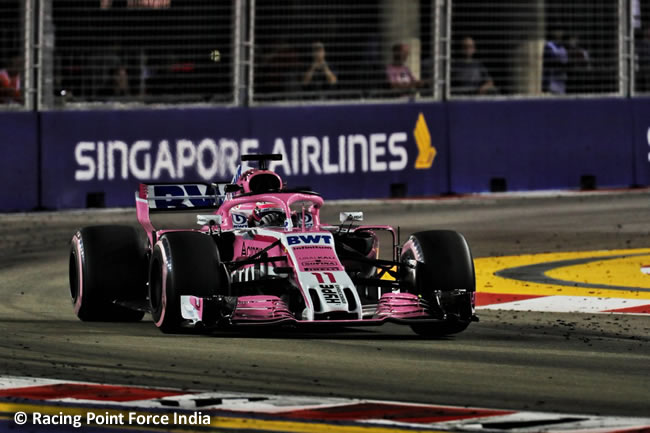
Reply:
x=165, y=197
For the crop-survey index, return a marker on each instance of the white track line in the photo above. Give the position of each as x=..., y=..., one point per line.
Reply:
x=567, y=304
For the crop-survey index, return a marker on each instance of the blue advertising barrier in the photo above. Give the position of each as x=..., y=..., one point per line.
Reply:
x=341, y=152
x=535, y=145
x=641, y=128
x=107, y=153
x=18, y=162
x=358, y=151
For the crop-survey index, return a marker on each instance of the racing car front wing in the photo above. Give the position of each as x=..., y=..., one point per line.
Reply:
x=218, y=311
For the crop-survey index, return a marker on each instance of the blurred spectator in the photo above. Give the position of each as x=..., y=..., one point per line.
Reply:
x=468, y=75
x=578, y=67
x=643, y=59
x=112, y=78
x=556, y=59
x=114, y=73
x=10, y=81
x=398, y=74
x=109, y=59
x=319, y=76
x=121, y=82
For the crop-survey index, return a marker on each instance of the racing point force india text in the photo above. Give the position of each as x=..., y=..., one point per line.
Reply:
x=117, y=418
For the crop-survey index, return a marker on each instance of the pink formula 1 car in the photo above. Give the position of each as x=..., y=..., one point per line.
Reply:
x=261, y=256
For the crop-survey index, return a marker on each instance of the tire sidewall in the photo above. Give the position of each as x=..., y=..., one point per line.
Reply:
x=182, y=263
x=76, y=260
x=161, y=292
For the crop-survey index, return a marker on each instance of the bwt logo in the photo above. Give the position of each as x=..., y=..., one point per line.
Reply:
x=309, y=239
x=178, y=196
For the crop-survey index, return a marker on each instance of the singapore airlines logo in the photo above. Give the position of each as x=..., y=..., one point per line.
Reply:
x=426, y=152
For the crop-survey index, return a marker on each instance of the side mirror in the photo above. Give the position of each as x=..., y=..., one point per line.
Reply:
x=346, y=217
x=208, y=220
x=232, y=187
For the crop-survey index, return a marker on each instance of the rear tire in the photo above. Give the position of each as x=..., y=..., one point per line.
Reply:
x=444, y=264
x=107, y=264
x=183, y=263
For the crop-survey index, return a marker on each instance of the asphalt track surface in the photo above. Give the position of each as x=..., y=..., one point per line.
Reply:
x=578, y=363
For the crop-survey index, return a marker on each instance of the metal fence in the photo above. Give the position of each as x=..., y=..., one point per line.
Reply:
x=639, y=23
x=146, y=51
x=12, y=54
x=528, y=48
x=342, y=50
x=57, y=54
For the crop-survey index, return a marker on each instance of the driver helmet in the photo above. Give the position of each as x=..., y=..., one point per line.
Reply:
x=266, y=214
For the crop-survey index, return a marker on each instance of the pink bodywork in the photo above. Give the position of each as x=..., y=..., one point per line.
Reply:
x=142, y=210
x=400, y=305
x=197, y=303
x=245, y=248
x=260, y=308
x=282, y=200
x=264, y=308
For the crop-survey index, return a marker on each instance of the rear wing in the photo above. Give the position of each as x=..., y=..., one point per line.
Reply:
x=182, y=196
x=165, y=197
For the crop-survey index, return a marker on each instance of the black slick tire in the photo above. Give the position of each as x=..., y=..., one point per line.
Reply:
x=444, y=263
x=182, y=263
x=107, y=264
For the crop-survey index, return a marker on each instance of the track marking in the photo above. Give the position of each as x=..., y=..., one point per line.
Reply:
x=285, y=413
x=573, y=304
x=216, y=422
x=578, y=269
x=83, y=391
x=589, y=281
x=624, y=272
x=488, y=281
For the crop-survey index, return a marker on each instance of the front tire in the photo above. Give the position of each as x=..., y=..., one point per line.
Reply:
x=107, y=264
x=183, y=263
x=444, y=277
